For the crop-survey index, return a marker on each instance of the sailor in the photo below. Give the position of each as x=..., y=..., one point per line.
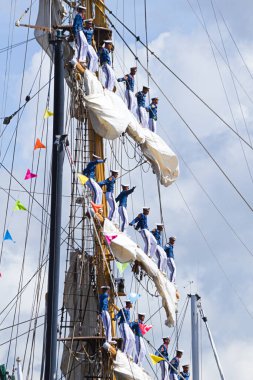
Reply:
x=174, y=365
x=139, y=341
x=122, y=199
x=106, y=63
x=109, y=183
x=99, y=217
x=142, y=225
x=89, y=172
x=126, y=333
x=170, y=258
x=152, y=110
x=105, y=316
x=78, y=30
x=92, y=55
x=129, y=81
x=141, y=109
x=163, y=353
x=185, y=373
x=160, y=253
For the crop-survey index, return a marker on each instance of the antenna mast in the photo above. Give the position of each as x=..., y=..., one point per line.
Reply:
x=195, y=335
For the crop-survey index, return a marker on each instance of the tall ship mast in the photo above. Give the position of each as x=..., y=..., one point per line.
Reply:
x=105, y=282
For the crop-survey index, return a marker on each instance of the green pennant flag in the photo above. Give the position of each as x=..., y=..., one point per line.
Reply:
x=19, y=206
x=121, y=266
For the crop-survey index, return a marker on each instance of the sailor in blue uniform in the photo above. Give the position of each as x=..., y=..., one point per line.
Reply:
x=160, y=253
x=141, y=109
x=139, y=341
x=109, y=183
x=170, y=258
x=174, y=365
x=122, y=199
x=89, y=172
x=126, y=333
x=106, y=63
x=92, y=55
x=103, y=308
x=78, y=30
x=142, y=225
x=152, y=110
x=163, y=353
x=129, y=80
x=185, y=373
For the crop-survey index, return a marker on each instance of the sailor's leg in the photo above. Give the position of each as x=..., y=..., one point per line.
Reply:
x=131, y=341
x=109, y=76
x=93, y=59
x=162, y=258
x=162, y=369
x=124, y=219
x=138, y=347
x=128, y=99
x=96, y=189
x=146, y=238
x=120, y=209
x=173, y=376
x=142, y=351
x=170, y=267
x=112, y=204
x=109, y=327
x=144, y=117
x=166, y=367
x=123, y=336
x=153, y=244
x=173, y=274
x=82, y=46
x=158, y=255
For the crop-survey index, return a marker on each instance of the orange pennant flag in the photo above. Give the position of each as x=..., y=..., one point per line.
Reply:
x=96, y=207
x=39, y=145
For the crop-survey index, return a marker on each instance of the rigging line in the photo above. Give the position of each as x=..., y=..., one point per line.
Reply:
x=146, y=39
x=191, y=130
x=230, y=70
x=207, y=194
x=21, y=323
x=225, y=91
x=10, y=47
x=176, y=76
x=19, y=336
x=215, y=257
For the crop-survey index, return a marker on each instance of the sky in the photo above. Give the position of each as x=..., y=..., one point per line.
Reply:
x=210, y=220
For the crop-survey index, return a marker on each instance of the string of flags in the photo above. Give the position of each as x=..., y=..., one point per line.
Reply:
x=7, y=236
x=82, y=178
x=19, y=206
x=30, y=175
x=121, y=267
x=155, y=359
x=47, y=114
x=39, y=145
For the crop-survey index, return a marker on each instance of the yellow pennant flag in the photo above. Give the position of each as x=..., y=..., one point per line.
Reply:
x=82, y=178
x=19, y=206
x=155, y=359
x=48, y=113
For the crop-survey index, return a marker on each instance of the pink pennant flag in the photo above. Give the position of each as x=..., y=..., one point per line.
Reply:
x=30, y=175
x=109, y=238
x=144, y=328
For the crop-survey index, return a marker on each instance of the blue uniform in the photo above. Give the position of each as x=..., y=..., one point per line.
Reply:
x=88, y=34
x=109, y=183
x=103, y=302
x=129, y=79
x=123, y=315
x=141, y=221
x=104, y=55
x=136, y=328
x=89, y=171
x=157, y=235
x=175, y=363
x=169, y=251
x=152, y=110
x=164, y=351
x=141, y=99
x=122, y=197
x=78, y=24
x=185, y=375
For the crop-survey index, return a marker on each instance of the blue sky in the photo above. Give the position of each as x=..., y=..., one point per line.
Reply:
x=219, y=264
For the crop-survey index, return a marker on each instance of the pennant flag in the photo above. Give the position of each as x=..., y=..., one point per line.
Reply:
x=109, y=238
x=48, y=113
x=19, y=206
x=121, y=266
x=133, y=297
x=82, y=178
x=39, y=145
x=155, y=359
x=8, y=236
x=30, y=175
x=96, y=207
x=144, y=328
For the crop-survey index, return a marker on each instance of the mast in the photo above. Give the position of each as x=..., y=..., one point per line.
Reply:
x=56, y=206
x=195, y=335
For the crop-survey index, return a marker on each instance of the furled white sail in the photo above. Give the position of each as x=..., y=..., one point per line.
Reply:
x=126, y=369
x=125, y=250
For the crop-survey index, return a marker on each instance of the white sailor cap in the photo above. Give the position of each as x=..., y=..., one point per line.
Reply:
x=145, y=208
x=113, y=342
x=145, y=88
x=133, y=68
x=128, y=301
x=159, y=224
x=142, y=314
x=186, y=365
x=182, y=351
x=155, y=98
x=172, y=238
x=166, y=337
x=114, y=171
x=80, y=7
x=125, y=184
x=108, y=42
x=105, y=287
x=89, y=20
x=95, y=156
